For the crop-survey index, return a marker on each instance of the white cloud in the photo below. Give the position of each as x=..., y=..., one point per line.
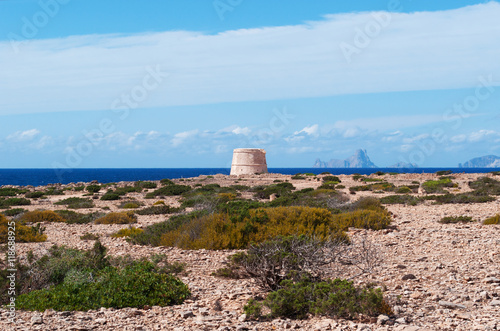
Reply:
x=20, y=136
x=481, y=134
x=416, y=51
x=181, y=137
x=312, y=130
x=458, y=138
x=243, y=131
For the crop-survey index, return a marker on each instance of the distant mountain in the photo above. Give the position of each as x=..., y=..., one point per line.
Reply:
x=359, y=160
x=488, y=161
x=404, y=165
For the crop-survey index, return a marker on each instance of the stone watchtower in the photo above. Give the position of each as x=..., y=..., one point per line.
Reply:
x=248, y=161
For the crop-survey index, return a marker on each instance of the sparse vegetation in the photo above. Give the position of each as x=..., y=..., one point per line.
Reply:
x=69, y=279
x=76, y=203
x=437, y=186
x=492, y=220
x=23, y=233
x=89, y=236
x=456, y=219
x=117, y=218
x=93, y=188
x=73, y=217
x=38, y=216
x=9, y=202
x=128, y=232
x=486, y=186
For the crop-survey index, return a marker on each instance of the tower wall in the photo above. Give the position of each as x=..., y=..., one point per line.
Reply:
x=248, y=161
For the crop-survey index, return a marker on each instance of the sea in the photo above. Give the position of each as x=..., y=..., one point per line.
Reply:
x=39, y=177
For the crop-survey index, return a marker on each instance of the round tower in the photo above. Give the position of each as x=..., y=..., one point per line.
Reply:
x=248, y=161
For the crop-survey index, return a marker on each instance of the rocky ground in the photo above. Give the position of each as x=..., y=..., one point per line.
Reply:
x=436, y=276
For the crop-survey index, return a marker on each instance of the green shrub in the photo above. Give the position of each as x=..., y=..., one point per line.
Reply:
x=436, y=186
x=89, y=236
x=146, y=184
x=68, y=280
x=34, y=195
x=444, y=172
x=331, y=179
x=400, y=199
x=264, y=192
x=157, y=210
x=38, y=216
x=336, y=298
x=298, y=177
x=76, y=203
x=110, y=195
x=379, y=186
x=357, y=176
x=486, y=186
x=403, y=190
x=492, y=220
x=117, y=218
x=23, y=233
x=456, y=219
x=93, y=188
x=53, y=191
x=130, y=204
x=14, y=211
x=152, y=234
x=461, y=198
x=128, y=232
x=9, y=202
x=166, y=181
x=73, y=217
x=168, y=190
x=9, y=191
x=79, y=188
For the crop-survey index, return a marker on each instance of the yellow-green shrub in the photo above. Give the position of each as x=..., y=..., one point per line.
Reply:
x=23, y=233
x=221, y=231
x=41, y=216
x=159, y=202
x=127, y=232
x=492, y=220
x=117, y=218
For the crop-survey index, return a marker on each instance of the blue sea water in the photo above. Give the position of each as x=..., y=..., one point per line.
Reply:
x=38, y=177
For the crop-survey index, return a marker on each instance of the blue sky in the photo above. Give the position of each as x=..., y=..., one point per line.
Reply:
x=181, y=84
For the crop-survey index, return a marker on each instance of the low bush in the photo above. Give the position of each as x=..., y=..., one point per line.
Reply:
x=130, y=204
x=110, y=195
x=14, y=211
x=53, y=191
x=223, y=231
x=444, y=172
x=486, y=186
x=38, y=216
x=146, y=184
x=68, y=280
x=298, y=177
x=23, y=233
x=34, y=195
x=152, y=234
x=157, y=210
x=403, y=190
x=10, y=191
x=128, y=232
x=357, y=176
x=436, y=186
x=93, y=188
x=89, y=236
x=331, y=179
x=456, y=219
x=401, y=199
x=469, y=197
x=166, y=181
x=73, y=217
x=264, y=192
x=336, y=298
x=492, y=220
x=76, y=203
x=379, y=186
x=9, y=202
x=117, y=218
x=169, y=190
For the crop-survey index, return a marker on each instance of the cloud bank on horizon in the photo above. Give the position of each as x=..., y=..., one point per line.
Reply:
x=367, y=52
